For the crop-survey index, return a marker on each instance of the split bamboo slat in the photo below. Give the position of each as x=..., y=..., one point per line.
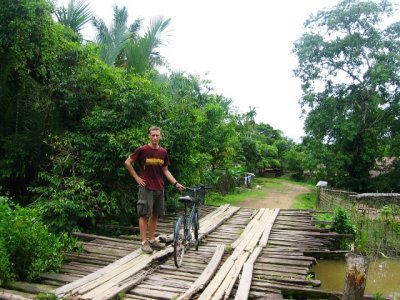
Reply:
x=205, y=277
x=267, y=258
x=247, y=275
x=115, y=277
x=224, y=280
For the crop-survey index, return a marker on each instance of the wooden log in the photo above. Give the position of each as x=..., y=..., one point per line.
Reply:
x=286, y=262
x=205, y=277
x=298, y=281
x=15, y=295
x=90, y=248
x=299, y=291
x=88, y=236
x=265, y=296
x=32, y=288
x=63, y=278
x=334, y=254
x=356, y=276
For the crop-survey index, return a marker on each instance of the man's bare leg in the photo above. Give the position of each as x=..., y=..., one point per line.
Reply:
x=143, y=228
x=152, y=227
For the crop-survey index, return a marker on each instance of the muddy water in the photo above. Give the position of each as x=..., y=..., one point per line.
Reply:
x=383, y=276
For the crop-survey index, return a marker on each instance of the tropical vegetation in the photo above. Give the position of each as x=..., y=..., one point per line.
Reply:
x=72, y=110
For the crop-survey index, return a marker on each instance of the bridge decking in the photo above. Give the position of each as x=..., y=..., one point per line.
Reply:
x=274, y=243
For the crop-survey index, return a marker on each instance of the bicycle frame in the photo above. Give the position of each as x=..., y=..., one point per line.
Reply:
x=189, y=221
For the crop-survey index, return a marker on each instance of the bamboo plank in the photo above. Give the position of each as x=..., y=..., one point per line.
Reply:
x=62, y=291
x=205, y=277
x=163, y=280
x=123, y=286
x=109, y=280
x=268, y=228
x=152, y=293
x=247, y=274
x=167, y=288
x=223, y=282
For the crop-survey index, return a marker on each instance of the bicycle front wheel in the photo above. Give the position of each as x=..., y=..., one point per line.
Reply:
x=179, y=242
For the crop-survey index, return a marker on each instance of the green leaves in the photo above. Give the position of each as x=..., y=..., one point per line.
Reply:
x=26, y=245
x=349, y=80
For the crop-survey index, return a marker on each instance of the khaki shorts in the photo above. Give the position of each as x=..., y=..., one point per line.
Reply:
x=150, y=203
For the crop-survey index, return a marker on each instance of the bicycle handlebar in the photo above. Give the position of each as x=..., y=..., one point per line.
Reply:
x=197, y=188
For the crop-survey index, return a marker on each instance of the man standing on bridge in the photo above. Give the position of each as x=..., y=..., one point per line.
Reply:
x=153, y=163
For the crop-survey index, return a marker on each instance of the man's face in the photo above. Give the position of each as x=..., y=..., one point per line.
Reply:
x=154, y=136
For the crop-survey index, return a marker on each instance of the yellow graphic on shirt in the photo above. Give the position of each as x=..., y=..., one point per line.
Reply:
x=154, y=162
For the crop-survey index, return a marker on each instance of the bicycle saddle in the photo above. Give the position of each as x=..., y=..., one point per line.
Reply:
x=186, y=199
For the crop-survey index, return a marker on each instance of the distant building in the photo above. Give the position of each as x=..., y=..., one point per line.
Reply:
x=383, y=166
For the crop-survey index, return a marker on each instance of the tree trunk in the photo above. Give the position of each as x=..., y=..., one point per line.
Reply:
x=356, y=276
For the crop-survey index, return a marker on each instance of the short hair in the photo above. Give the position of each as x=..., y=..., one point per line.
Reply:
x=154, y=128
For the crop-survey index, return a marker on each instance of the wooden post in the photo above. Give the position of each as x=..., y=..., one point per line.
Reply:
x=320, y=185
x=356, y=276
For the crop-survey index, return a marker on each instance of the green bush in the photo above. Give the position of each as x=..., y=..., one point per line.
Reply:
x=27, y=248
x=5, y=264
x=342, y=224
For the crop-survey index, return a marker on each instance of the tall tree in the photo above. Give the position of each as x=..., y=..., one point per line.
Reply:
x=350, y=71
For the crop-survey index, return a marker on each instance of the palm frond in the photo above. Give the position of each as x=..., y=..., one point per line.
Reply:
x=75, y=16
x=142, y=53
x=112, y=40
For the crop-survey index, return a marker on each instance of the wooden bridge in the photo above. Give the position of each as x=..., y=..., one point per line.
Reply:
x=244, y=254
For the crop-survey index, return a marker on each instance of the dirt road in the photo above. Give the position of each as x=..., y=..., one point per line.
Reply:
x=283, y=197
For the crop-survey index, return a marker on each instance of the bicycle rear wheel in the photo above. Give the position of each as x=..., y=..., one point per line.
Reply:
x=196, y=226
x=179, y=242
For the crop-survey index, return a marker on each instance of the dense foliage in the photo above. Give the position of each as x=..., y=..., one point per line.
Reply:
x=70, y=117
x=27, y=247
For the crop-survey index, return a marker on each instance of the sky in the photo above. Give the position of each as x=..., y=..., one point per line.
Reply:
x=243, y=47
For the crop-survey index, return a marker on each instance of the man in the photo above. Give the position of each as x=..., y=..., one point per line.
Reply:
x=153, y=163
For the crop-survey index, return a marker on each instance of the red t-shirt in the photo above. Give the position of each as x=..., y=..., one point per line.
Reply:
x=151, y=162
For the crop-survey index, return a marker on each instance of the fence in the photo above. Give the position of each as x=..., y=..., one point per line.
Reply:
x=376, y=215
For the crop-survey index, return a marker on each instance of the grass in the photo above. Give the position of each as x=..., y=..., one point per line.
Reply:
x=304, y=201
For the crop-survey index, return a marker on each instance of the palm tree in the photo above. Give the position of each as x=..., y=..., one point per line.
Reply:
x=123, y=46
x=113, y=40
x=75, y=16
x=141, y=52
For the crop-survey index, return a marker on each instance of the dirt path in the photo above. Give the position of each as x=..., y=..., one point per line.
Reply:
x=283, y=197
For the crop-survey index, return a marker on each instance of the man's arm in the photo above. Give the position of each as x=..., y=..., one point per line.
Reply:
x=128, y=165
x=172, y=179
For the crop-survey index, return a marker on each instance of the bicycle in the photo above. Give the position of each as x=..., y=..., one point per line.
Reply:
x=187, y=222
